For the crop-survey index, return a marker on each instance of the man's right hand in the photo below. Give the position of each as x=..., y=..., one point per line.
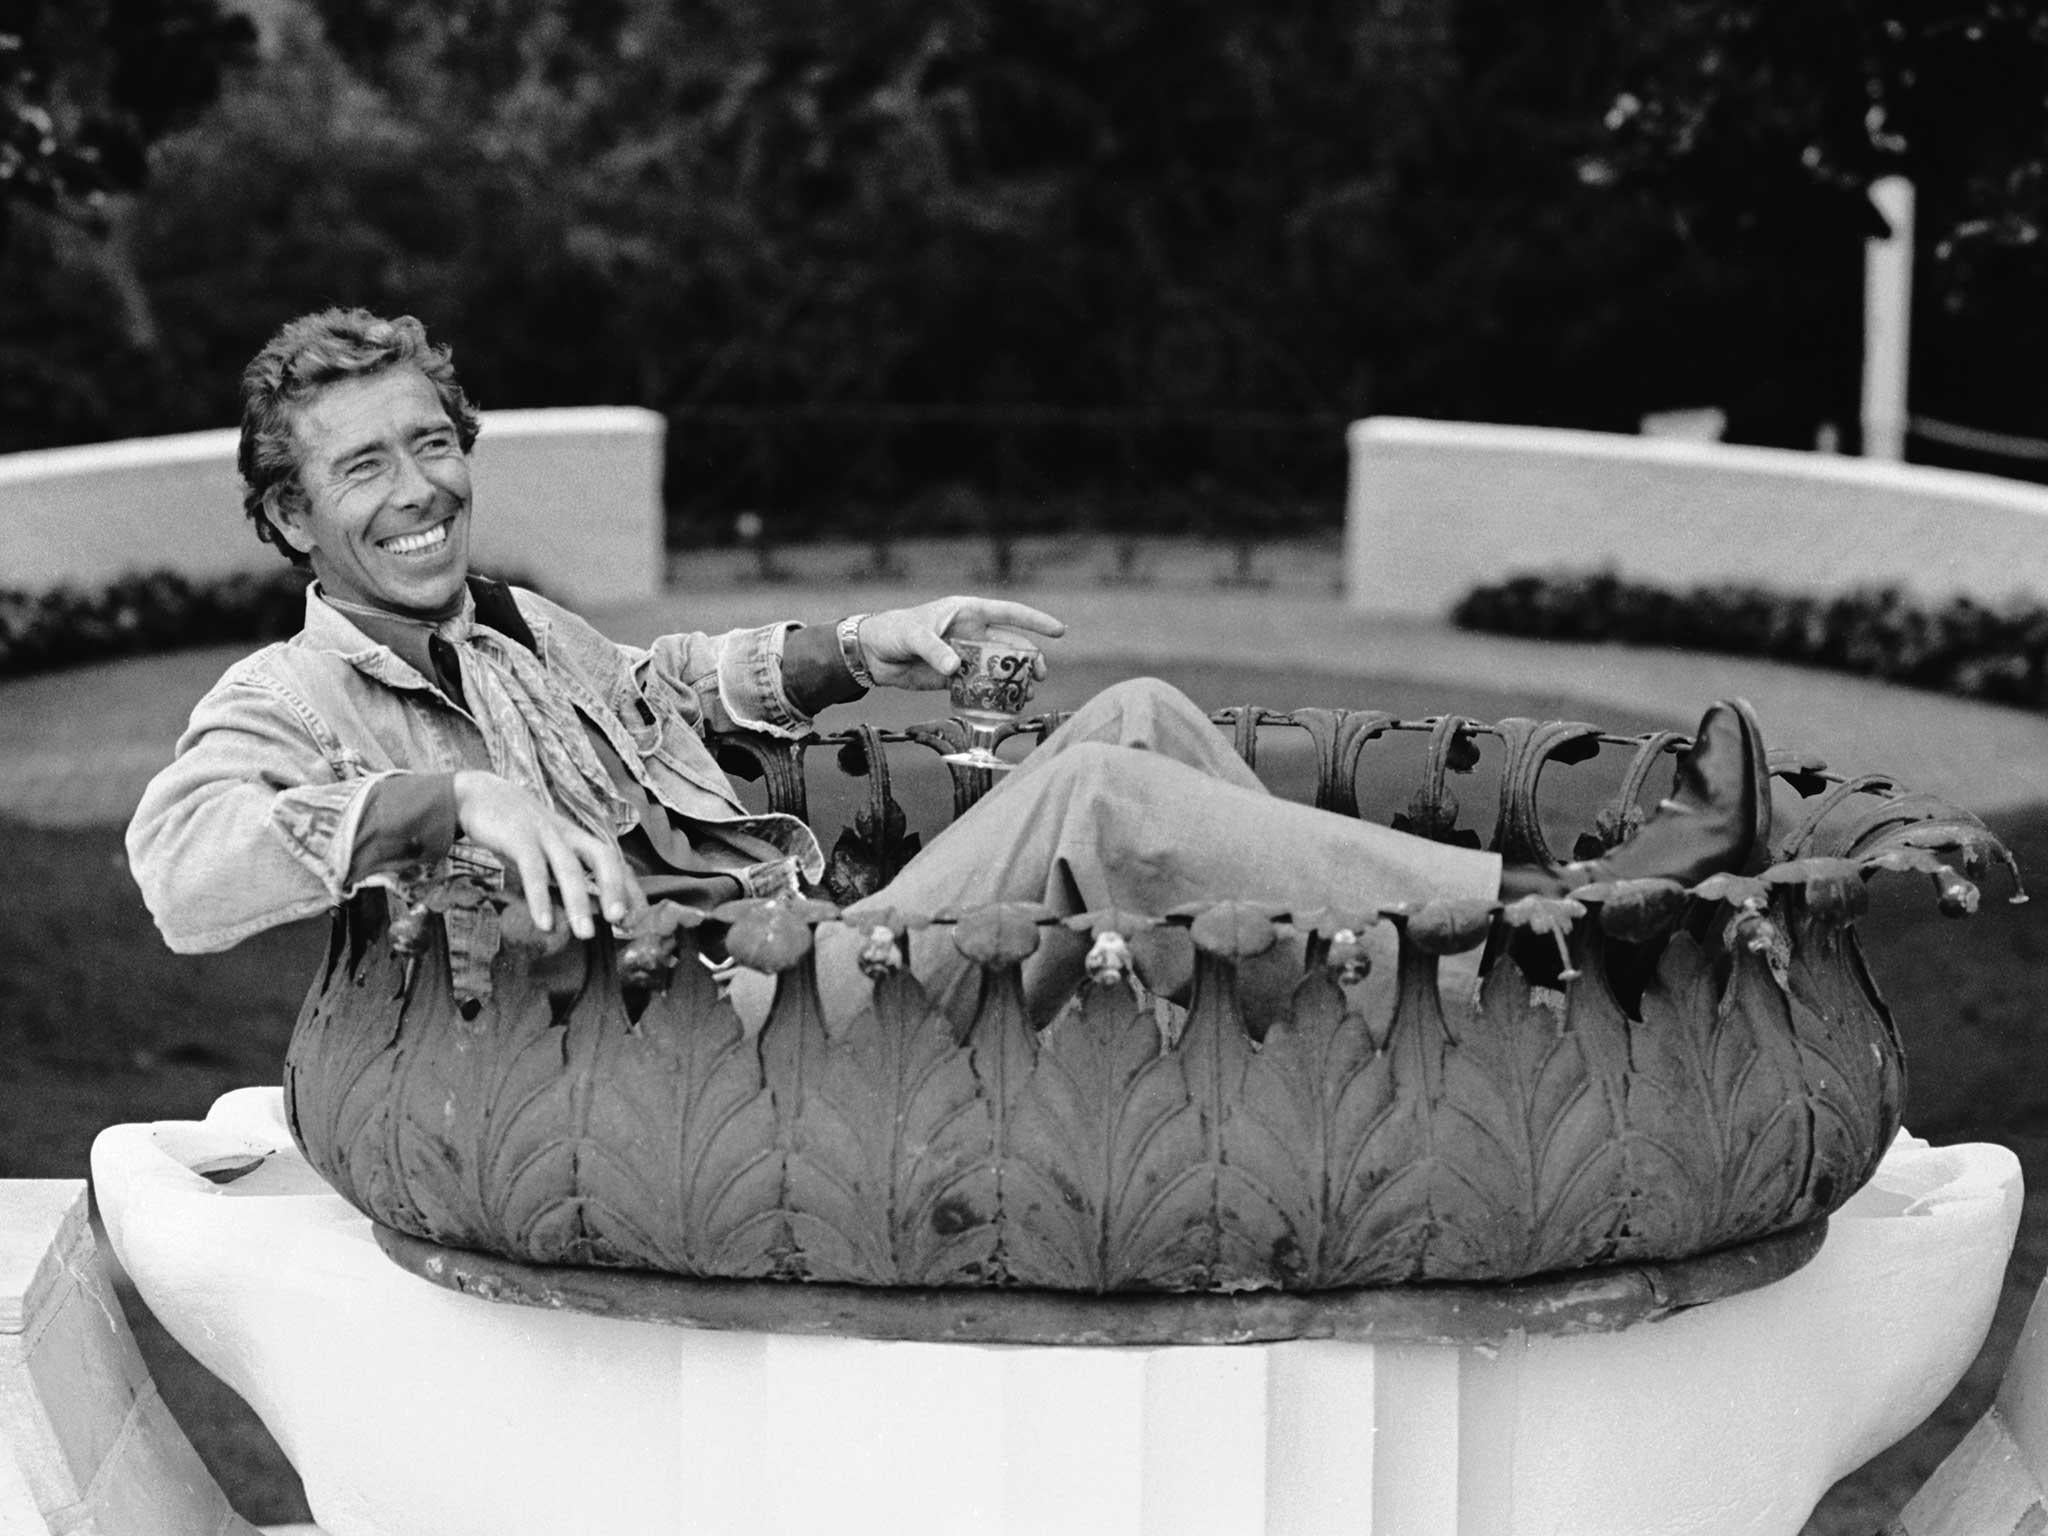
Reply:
x=546, y=849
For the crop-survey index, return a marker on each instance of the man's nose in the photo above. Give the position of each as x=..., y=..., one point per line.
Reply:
x=411, y=488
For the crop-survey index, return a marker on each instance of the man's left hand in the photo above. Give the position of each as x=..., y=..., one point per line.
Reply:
x=906, y=647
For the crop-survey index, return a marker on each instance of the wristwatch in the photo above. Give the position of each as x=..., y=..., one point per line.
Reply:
x=850, y=651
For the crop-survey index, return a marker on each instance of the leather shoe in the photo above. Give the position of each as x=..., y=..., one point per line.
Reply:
x=1717, y=818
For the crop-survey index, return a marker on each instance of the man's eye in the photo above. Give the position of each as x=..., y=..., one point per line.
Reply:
x=362, y=469
x=439, y=443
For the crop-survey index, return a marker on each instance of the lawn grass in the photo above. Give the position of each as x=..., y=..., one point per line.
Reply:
x=100, y=1024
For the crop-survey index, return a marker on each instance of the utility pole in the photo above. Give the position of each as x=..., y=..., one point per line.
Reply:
x=1887, y=321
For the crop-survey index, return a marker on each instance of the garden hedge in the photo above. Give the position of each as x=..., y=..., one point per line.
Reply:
x=151, y=611
x=145, y=612
x=1973, y=649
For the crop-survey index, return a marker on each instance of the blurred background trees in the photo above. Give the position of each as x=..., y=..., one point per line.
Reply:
x=87, y=89
x=942, y=254
x=1755, y=127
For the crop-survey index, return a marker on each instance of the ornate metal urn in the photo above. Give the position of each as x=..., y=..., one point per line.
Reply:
x=1706, y=1066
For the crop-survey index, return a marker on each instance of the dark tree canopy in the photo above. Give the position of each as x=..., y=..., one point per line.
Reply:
x=1755, y=127
x=1096, y=243
x=87, y=87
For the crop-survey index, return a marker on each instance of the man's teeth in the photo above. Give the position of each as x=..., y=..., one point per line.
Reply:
x=413, y=543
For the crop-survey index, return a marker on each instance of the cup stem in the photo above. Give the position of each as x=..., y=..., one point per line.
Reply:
x=980, y=753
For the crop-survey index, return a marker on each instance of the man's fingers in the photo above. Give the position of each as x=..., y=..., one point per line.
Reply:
x=618, y=893
x=993, y=612
x=935, y=653
x=571, y=880
x=547, y=849
x=532, y=865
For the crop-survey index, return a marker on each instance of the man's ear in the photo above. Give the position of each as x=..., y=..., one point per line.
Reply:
x=287, y=514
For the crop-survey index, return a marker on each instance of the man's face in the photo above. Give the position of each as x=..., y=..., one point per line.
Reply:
x=386, y=520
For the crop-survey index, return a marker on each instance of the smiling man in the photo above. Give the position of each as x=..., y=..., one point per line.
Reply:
x=426, y=716
x=424, y=713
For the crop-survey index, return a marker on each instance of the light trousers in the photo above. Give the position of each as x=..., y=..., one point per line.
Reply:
x=1137, y=802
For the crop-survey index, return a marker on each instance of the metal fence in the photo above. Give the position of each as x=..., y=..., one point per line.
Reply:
x=897, y=470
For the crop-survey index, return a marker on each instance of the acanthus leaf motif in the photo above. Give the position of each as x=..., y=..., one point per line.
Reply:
x=1770, y=1133
x=691, y=1127
x=909, y=1096
x=1109, y=1110
x=1261, y=1215
x=828, y=1199
x=1378, y=1224
x=1685, y=1092
x=1532, y=1137
x=1851, y=1059
x=1003, y=1050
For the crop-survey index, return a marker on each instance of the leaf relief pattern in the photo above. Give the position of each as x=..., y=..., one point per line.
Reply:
x=908, y=1096
x=1110, y=1108
x=1699, y=1067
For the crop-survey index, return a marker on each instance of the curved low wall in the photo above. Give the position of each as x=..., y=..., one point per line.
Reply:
x=571, y=497
x=1436, y=508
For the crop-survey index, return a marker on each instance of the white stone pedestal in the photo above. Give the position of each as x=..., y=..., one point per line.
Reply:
x=87, y=1447
x=408, y=1408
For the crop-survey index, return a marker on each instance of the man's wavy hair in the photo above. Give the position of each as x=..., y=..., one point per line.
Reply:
x=302, y=359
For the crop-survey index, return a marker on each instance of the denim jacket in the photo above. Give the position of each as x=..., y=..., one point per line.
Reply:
x=254, y=822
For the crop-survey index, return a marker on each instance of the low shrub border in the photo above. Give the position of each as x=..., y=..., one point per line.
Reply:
x=1964, y=647
x=145, y=612
x=152, y=611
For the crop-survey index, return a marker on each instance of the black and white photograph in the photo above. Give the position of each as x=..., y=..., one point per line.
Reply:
x=1042, y=769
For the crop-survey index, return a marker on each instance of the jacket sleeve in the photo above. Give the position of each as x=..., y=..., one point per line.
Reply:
x=713, y=682
x=253, y=824
x=730, y=680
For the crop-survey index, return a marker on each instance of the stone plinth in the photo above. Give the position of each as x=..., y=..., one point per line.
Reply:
x=410, y=1408
x=87, y=1447
x=1996, y=1481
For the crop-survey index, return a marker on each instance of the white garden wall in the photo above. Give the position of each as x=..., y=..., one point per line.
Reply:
x=570, y=497
x=1436, y=508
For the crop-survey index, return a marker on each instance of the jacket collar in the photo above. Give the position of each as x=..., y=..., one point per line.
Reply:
x=489, y=603
x=327, y=628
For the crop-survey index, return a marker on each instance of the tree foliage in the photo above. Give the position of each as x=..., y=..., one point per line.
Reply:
x=86, y=88
x=1758, y=127
x=1076, y=214
x=1813, y=102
